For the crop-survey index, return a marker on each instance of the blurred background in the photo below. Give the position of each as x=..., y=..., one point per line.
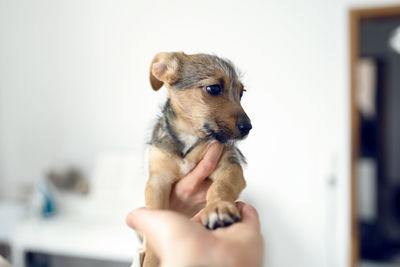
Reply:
x=76, y=109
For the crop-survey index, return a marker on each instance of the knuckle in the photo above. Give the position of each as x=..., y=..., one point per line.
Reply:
x=187, y=190
x=208, y=166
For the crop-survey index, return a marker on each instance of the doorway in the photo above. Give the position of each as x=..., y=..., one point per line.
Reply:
x=375, y=136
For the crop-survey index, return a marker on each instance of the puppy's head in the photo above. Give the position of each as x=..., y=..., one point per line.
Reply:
x=205, y=93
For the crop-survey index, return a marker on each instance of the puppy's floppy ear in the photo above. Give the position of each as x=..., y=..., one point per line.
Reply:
x=164, y=69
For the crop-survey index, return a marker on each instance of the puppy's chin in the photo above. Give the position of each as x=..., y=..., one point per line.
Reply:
x=220, y=138
x=223, y=136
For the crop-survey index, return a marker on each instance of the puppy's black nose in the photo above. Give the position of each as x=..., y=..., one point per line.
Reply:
x=244, y=127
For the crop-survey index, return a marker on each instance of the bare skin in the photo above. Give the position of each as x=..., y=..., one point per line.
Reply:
x=188, y=195
x=180, y=241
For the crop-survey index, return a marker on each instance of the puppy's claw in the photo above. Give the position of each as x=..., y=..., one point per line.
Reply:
x=226, y=223
x=220, y=214
x=235, y=218
x=214, y=226
x=212, y=222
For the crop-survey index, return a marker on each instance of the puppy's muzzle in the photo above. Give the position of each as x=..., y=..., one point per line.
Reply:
x=244, y=126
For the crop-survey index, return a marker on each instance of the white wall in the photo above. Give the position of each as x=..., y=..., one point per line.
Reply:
x=74, y=83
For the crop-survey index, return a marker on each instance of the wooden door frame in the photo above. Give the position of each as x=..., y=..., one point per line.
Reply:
x=355, y=17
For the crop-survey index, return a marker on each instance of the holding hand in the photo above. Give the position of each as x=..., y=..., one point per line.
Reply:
x=179, y=241
x=188, y=195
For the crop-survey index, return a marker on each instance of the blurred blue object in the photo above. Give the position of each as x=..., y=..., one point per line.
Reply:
x=43, y=200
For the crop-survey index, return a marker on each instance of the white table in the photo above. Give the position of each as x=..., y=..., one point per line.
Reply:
x=77, y=235
x=75, y=238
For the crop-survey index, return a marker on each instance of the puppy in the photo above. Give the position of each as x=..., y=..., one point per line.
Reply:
x=203, y=105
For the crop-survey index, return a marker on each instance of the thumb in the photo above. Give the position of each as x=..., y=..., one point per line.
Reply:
x=205, y=167
x=249, y=215
x=161, y=228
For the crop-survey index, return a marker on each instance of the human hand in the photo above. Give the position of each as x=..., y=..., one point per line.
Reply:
x=188, y=195
x=179, y=241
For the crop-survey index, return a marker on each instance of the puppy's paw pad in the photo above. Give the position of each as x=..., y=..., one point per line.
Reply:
x=220, y=214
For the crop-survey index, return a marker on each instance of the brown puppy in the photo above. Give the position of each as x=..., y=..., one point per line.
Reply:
x=203, y=105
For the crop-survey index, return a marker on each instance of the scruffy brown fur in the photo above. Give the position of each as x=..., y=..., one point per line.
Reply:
x=203, y=105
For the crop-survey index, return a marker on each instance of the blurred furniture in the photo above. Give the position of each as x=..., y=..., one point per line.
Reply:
x=90, y=227
x=82, y=238
x=11, y=213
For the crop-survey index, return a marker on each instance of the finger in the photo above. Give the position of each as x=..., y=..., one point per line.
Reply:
x=203, y=187
x=205, y=167
x=214, y=152
x=197, y=217
x=161, y=228
x=249, y=215
x=200, y=194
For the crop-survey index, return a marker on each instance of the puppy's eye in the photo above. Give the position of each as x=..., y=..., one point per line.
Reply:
x=214, y=89
x=241, y=93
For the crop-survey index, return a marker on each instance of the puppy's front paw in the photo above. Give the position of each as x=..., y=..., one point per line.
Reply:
x=220, y=214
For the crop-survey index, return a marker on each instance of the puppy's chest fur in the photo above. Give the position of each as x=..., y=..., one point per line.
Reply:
x=189, y=142
x=165, y=137
x=185, y=150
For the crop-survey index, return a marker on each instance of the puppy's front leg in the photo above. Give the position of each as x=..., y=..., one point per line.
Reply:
x=228, y=182
x=158, y=190
x=157, y=195
x=163, y=173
